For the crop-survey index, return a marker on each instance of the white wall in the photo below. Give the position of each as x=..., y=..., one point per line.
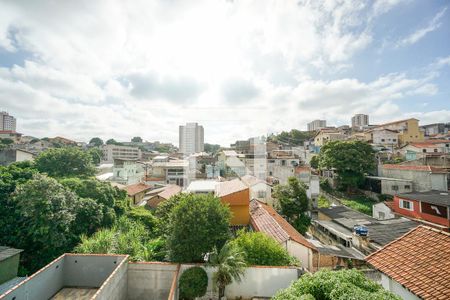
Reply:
x=381, y=207
x=22, y=156
x=396, y=288
x=304, y=254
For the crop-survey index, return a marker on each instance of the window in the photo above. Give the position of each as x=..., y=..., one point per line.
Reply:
x=435, y=150
x=424, y=150
x=381, y=215
x=283, y=162
x=407, y=187
x=394, y=140
x=406, y=204
x=261, y=194
x=382, y=140
x=394, y=187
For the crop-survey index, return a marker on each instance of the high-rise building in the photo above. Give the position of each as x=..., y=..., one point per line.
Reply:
x=316, y=125
x=191, y=138
x=7, y=122
x=360, y=121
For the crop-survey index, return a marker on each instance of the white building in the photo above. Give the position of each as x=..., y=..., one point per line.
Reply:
x=127, y=171
x=7, y=122
x=191, y=138
x=259, y=189
x=316, y=125
x=111, y=152
x=360, y=121
x=384, y=137
x=382, y=211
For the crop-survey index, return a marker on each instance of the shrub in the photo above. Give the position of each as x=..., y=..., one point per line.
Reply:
x=144, y=216
x=193, y=283
x=260, y=249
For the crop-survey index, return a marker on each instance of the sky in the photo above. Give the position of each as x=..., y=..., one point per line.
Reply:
x=118, y=69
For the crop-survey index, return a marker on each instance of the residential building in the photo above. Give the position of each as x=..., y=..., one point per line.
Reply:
x=432, y=207
x=231, y=163
x=281, y=164
x=9, y=264
x=423, y=178
x=10, y=134
x=7, y=122
x=435, y=129
x=259, y=189
x=202, y=187
x=154, y=197
x=191, y=138
x=316, y=125
x=408, y=130
x=237, y=195
x=114, y=277
x=382, y=137
x=415, y=266
x=389, y=185
x=111, y=152
x=360, y=121
x=336, y=226
x=428, y=148
x=63, y=141
x=170, y=171
x=137, y=192
x=326, y=135
x=312, y=254
x=127, y=171
x=9, y=156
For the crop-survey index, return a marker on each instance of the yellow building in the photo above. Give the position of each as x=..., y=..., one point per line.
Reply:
x=408, y=130
x=237, y=195
x=325, y=135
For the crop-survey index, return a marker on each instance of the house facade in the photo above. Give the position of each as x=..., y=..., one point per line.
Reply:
x=382, y=136
x=408, y=130
x=237, y=195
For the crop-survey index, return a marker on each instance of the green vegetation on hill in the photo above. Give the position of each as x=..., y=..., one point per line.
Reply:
x=294, y=137
x=360, y=203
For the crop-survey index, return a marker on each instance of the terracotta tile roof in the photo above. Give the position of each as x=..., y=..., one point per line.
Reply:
x=389, y=204
x=414, y=168
x=230, y=187
x=301, y=169
x=265, y=219
x=419, y=260
x=134, y=189
x=169, y=191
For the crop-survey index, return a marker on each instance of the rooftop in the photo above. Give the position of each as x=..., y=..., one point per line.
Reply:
x=169, y=191
x=136, y=188
x=7, y=252
x=414, y=168
x=229, y=187
x=251, y=180
x=202, y=186
x=265, y=219
x=433, y=197
x=425, y=269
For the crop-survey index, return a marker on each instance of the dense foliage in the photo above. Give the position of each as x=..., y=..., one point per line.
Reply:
x=230, y=265
x=136, y=139
x=293, y=203
x=96, y=141
x=294, y=137
x=65, y=162
x=197, y=224
x=193, y=283
x=96, y=155
x=314, y=162
x=350, y=159
x=260, y=249
x=211, y=148
x=335, y=285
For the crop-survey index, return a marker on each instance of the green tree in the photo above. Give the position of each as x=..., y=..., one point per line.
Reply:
x=260, y=249
x=292, y=198
x=6, y=141
x=163, y=211
x=193, y=283
x=211, y=148
x=112, y=142
x=350, y=159
x=96, y=141
x=46, y=213
x=96, y=155
x=314, y=163
x=230, y=264
x=65, y=162
x=136, y=139
x=198, y=223
x=144, y=216
x=335, y=285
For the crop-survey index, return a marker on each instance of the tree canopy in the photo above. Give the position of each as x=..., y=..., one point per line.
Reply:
x=350, y=159
x=65, y=162
x=136, y=139
x=335, y=285
x=112, y=142
x=197, y=224
x=96, y=141
x=193, y=283
x=294, y=137
x=260, y=249
x=292, y=198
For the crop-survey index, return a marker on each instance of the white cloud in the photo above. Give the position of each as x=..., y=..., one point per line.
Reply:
x=422, y=32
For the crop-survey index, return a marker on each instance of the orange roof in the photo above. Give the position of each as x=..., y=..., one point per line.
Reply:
x=265, y=219
x=230, y=187
x=134, y=189
x=414, y=168
x=389, y=204
x=301, y=169
x=419, y=260
x=169, y=191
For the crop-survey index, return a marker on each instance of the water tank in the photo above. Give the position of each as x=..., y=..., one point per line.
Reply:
x=361, y=230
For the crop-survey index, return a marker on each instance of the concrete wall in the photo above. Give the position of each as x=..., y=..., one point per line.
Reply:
x=148, y=280
x=8, y=268
x=115, y=287
x=258, y=281
x=381, y=209
x=396, y=288
x=302, y=253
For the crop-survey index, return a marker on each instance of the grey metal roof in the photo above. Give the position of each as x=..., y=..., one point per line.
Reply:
x=433, y=197
x=7, y=252
x=337, y=250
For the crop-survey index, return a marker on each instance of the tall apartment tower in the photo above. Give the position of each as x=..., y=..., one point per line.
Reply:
x=7, y=122
x=316, y=125
x=360, y=121
x=191, y=138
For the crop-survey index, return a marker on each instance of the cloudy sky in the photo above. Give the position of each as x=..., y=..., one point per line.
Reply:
x=240, y=68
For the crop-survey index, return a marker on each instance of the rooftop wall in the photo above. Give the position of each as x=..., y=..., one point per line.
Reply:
x=69, y=270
